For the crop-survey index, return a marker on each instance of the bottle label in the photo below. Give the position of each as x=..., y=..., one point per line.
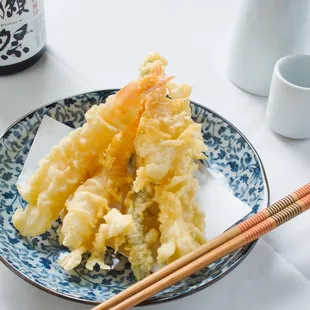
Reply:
x=22, y=30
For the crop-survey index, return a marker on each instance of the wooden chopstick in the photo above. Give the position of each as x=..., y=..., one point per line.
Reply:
x=209, y=246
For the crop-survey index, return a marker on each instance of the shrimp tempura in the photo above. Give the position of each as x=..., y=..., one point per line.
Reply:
x=117, y=160
x=69, y=163
x=92, y=200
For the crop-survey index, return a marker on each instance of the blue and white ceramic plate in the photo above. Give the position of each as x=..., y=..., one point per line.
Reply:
x=35, y=259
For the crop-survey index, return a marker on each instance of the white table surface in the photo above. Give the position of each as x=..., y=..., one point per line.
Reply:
x=99, y=44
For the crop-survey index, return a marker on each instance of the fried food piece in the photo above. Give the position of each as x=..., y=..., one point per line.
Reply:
x=181, y=219
x=166, y=132
x=73, y=259
x=68, y=164
x=113, y=234
x=153, y=64
x=87, y=207
x=92, y=200
x=167, y=144
x=140, y=254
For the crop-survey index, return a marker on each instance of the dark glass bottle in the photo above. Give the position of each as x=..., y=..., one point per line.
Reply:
x=22, y=34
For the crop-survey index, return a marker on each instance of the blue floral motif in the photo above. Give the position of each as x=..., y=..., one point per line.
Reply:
x=8, y=195
x=234, y=167
x=45, y=262
x=229, y=153
x=7, y=176
x=45, y=235
x=244, y=178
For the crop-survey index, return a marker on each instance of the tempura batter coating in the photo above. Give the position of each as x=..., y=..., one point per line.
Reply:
x=140, y=254
x=126, y=178
x=92, y=200
x=165, y=133
x=69, y=163
x=167, y=144
x=113, y=234
x=181, y=219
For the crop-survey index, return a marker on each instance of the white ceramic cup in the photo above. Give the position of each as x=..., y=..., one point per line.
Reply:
x=265, y=31
x=288, y=109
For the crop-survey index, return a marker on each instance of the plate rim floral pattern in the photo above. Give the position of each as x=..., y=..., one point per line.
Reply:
x=247, y=249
